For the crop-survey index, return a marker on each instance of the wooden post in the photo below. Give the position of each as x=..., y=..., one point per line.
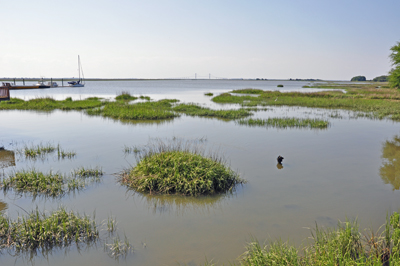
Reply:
x=14, y=82
x=62, y=82
x=23, y=81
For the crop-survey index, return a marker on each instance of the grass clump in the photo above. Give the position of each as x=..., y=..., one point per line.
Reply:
x=248, y=91
x=195, y=110
x=39, y=150
x=49, y=184
x=62, y=154
x=147, y=98
x=87, y=172
x=35, y=182
x=50, y=104
x=117, y=248
x=179, y=168
x=208, y=94
x=280, y=86
x=46, y=231
x=138, y=111
x=345, y=245
x=285, y=122
x=125, y=96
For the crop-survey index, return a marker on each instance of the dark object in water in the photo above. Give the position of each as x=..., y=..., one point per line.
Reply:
x=280, y=159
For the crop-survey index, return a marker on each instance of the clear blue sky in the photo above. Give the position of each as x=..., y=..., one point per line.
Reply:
x=164, y=39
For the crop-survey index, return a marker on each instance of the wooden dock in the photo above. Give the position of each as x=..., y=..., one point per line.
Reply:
x=4, y=93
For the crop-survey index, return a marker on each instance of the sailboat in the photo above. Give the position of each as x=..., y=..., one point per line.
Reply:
x=81, y=81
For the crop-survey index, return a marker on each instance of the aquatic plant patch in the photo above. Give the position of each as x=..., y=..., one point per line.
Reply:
x=195, y=110
x=49, y=184
x=49, y=104
x=179, y=168
x=44, y=231
x=137, y=111
x=285, y=122
x=125, y=96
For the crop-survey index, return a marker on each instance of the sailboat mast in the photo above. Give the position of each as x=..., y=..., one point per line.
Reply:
x=79, y=68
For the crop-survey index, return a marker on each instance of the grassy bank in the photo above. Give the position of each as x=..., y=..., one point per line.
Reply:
x=46, y=231
x=345, y=245
x=179, y=168
x=285, y=122
x=371, y=98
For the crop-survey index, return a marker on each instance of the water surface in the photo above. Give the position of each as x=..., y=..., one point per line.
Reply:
x=348, y=170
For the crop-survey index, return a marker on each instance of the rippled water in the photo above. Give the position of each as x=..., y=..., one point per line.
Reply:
x=347, y=170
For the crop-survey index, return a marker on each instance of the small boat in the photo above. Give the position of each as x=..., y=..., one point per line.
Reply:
x=42, y=85
x=81, y=81
x=52, y=84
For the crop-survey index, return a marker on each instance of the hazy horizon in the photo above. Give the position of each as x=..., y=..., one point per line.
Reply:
x=176, y=39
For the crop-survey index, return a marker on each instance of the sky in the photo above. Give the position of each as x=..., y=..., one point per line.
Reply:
x=280, y=39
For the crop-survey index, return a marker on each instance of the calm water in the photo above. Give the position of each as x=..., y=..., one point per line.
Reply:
x=348, y=170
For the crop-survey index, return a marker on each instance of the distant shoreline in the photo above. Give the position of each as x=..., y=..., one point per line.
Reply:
x=155, y=79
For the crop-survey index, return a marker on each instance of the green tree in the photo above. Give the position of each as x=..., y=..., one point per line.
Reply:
x=358, y=78
x=381, y=79
x=394, y=74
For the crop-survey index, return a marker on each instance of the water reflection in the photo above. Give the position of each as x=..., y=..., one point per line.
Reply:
x=180, y=204
x=279, y=166
x=7, y=158
x=390, y=170
x=3, y=206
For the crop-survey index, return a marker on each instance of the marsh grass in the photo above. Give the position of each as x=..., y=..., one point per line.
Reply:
x=208, y=94
x=248, y=91
x=378, y=102
x=280, y=86
x=285, y=122
x=35, y=182
x=344, y=245
x=62, y=154
x=49, y=184
x=41, y=231
x=117, y=248
x=179, y=167
x=195, y=110
x=138, y=111
x=49, y=104
x=87, y=172
x=131, y=149
x=147, y=98
x=125, y=96
x=36, y=151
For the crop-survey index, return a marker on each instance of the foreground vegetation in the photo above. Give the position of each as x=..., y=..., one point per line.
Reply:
x=285, y=122
x=179, y=168
x=41, y=231
x=345, y=245
x=374, y=98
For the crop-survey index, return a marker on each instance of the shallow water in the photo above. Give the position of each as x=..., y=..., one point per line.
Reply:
x=348, y=170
